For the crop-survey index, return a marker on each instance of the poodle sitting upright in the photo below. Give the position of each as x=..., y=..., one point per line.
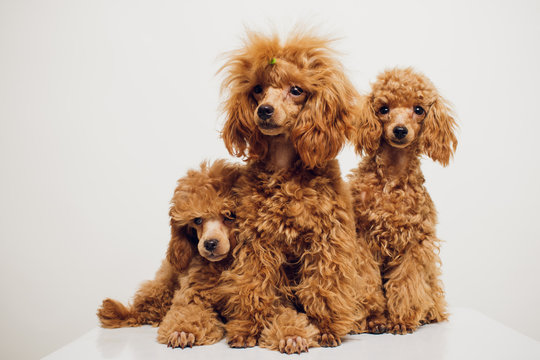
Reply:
x=402, y=118
x=202, y=224
x=288, y=112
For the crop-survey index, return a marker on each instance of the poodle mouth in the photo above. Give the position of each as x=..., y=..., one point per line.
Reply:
x=399, y=143
x=267, y=126
x=270, y=129
x=215, y=257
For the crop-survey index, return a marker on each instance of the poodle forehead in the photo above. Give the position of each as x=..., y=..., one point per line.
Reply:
x=302, y=59
x=204, y=193
x=204, y=202
x=403, y=87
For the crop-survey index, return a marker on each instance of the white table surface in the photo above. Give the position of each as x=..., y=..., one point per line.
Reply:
x=467, y=335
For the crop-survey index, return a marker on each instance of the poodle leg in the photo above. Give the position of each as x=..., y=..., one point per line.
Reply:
x=289, y=332
x=242, y=333
x=409, y=289
x=190, y=324
x=327, y=292
x=376, y=324
x=154, y=298
x=249, y=288
x=150, y=304
x=371, y=302
x=438, y=312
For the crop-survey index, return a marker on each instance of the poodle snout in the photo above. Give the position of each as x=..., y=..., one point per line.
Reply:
x=211, y=244
x=214, y=242
x=400, y=132
x=214, y=248
x=268, y=121
x=265, y=111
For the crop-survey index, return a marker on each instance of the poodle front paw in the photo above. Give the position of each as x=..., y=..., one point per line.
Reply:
x=375, y=327
x=293, y=344
x=239, y=341
x=181, y=340
x=400, y=329
x=329, y=340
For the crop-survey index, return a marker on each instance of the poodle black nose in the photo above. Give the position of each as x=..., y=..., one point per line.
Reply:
x=210, y=245
x=400, y=132
x=265, y=111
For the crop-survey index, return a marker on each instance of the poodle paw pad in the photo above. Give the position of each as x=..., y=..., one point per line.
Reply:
x=293, y=344
x=181, y=340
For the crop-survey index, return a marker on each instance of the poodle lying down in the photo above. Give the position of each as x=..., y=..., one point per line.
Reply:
x=181, y=296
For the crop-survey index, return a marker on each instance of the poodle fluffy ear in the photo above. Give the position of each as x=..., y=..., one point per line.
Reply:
x=180, y=249
x=239, y=133
x=368, y=130
x=438, y=140
x=237, y=129
x=325, y=122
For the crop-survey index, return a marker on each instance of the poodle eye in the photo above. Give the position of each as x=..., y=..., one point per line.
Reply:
x=296, y=90
x=230, y=218
x=384, y=110
x=418, y=110
x=197, y=221
x=258, y=89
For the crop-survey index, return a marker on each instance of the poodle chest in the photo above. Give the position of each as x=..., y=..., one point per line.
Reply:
x=289, y=213
x=394, y=219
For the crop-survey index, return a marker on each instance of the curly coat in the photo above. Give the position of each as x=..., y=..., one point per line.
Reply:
x=295, y=213
x=180, y=299
x=401, y=119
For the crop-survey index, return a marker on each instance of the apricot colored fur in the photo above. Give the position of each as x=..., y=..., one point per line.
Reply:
x=394, y=212
x=181, y=293
x=150, y=303
x=296, y=226
x=194, y=306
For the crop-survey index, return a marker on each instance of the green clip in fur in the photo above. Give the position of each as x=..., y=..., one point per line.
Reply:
x=272, y=61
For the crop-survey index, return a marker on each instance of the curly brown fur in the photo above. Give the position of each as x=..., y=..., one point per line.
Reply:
x=289, y=332
x=394, y=212
x=150, y=303
x=202, y=215
x=290, y=117
x=193, y=319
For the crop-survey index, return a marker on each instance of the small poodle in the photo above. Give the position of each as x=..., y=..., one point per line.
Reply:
x=402, y=118
x=288, y=112
x=202, y=237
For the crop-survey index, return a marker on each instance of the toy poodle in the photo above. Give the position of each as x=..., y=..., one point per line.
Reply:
x=288, y=112
x=202, y=225
x=402, y=118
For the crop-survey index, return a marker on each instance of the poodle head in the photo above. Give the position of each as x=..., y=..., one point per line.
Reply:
x=202, y=214
x=295, y=89
x=405, y=108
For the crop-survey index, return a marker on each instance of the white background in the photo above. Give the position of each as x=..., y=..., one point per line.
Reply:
x=104, y=104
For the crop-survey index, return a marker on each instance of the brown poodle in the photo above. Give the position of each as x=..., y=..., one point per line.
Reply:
x=402, y=118
x=288, y=112
x=202, y=225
